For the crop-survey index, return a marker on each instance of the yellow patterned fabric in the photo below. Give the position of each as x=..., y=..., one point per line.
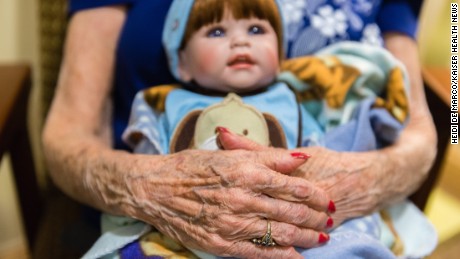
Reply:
x=329, y=79
x=156, y=96
x=157, y=244
x=395, y=101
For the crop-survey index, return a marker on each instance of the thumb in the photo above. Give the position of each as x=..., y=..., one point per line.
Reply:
x=231, y=141
x=279, y=160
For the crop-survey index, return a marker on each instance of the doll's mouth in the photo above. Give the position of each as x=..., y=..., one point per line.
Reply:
x=240, y=61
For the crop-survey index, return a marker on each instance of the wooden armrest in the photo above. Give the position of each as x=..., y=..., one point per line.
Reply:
x=15, y=85
x=437, y=79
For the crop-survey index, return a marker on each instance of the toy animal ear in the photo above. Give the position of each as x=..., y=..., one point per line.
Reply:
x=275, y=131
x=182, y=137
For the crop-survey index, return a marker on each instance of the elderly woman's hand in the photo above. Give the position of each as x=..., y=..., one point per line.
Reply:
x=218, y=201
x=348, y=178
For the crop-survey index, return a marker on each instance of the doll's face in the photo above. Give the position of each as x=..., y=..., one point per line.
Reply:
x=231, y=55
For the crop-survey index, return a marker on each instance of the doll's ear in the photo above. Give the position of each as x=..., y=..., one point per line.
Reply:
x=183, y=67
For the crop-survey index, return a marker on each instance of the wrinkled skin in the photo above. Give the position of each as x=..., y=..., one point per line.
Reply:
x=334, y=172
x=217, y=208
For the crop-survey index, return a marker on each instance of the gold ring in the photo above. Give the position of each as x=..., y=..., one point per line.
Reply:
x=267, y=239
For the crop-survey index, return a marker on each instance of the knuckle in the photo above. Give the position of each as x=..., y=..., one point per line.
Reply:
x=291, y=233
x=277, y=211
x=293, y=213
x=278, y=253
x=304, y=191
x=306, y=215
x=218, y=244
x=293, y=254
x=285, y=236
x=234, y=228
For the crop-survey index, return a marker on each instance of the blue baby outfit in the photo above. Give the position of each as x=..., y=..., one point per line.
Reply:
x=278, y=100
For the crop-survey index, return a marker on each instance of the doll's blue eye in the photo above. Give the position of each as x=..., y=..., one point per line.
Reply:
x=216, y=32
x=256, y=29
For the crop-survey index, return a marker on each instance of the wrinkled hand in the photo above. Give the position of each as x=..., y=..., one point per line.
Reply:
x=346, y=177
x=217, y=201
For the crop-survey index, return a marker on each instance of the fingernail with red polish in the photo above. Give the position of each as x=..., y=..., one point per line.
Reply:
x=331, y=207
x=323, y=238
x=330, y=222
x=222, y=130
x=300, y=155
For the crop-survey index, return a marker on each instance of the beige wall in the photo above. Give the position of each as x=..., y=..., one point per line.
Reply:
x=18, y=43
x=434, y=33
x=10, y=223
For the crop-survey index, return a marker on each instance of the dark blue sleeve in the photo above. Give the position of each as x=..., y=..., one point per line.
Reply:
x=77, y=5
x=399, y=16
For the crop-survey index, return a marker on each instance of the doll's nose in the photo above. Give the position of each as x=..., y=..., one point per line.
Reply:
x=240, y=41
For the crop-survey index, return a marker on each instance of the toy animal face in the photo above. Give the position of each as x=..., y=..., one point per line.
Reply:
x=197, y=129
x=233, y=114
